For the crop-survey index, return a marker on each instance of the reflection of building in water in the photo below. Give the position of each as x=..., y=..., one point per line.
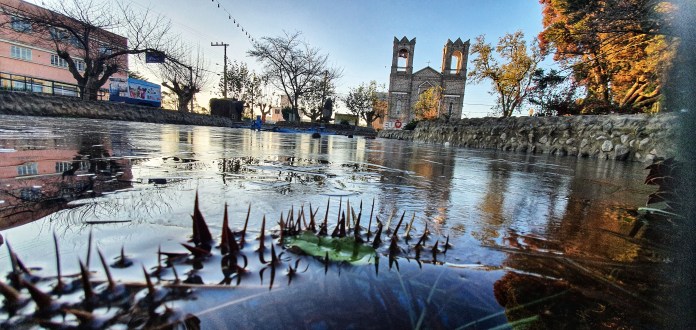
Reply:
x=37, y=182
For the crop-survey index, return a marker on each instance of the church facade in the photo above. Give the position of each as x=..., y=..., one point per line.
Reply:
x=405, y=86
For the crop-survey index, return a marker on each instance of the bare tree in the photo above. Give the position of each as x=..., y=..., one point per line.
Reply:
x=93, y=38
x=321, y=89
x=184, y=74
x=292, y=65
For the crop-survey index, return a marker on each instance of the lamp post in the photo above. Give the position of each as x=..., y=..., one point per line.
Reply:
x=224, y=68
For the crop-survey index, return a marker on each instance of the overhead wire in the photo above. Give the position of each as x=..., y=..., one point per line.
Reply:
x=235, y=22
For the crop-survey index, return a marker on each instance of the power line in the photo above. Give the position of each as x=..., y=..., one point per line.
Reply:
x=235, y=22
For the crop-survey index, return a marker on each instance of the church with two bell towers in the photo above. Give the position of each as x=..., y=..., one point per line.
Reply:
x=405, y=86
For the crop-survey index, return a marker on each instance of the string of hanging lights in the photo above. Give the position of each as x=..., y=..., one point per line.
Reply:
x=235, y=22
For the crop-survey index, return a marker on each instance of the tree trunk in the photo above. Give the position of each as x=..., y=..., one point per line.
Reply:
x=90, y=90
x=184, y=101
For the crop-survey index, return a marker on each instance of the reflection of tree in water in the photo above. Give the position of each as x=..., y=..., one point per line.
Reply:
x=493, y=202
x=414, y=178
x=585, y=267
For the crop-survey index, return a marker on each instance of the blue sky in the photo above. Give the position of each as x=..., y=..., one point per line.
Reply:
x=357, y=34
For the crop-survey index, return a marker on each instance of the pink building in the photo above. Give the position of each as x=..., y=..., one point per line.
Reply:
x=28, y=57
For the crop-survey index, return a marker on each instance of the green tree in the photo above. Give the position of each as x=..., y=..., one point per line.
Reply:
x=248, y=86
x=361, y=102
x=553, y=93
x=237, y=80
x=511, y=78
x=428, y=104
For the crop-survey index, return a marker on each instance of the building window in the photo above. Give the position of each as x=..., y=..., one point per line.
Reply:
x=398, y=107
x=28, y=169
x=63, y=166
x=20, y=25
x=104, y=49
x=74, y=41
x=59, y=62
x=20, y=53
x=57, y=34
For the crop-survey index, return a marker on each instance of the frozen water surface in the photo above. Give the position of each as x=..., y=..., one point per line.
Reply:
x=534, y=238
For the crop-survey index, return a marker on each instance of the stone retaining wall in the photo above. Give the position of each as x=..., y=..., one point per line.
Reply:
x=28, y=104
x=620, y=137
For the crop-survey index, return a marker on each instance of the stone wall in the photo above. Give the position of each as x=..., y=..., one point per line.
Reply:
x=621, y=137
x=28, y=104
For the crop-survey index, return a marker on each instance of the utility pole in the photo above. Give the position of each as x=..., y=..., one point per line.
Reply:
x=224, y=70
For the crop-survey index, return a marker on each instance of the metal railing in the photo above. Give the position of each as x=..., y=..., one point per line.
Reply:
x=21, y=83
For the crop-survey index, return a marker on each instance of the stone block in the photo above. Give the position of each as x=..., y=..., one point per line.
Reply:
x=607, y=146
x=621, y=152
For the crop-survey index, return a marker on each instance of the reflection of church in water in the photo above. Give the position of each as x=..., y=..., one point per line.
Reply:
x=405, y=86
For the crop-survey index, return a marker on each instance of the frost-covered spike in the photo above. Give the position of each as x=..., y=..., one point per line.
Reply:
x=312, y=222
x=176, y=275
x=83, y=316
x=398, y=225
x=348, y=209
x=246, y=222
x=369, y=224
x=378, y=240
x=43, y=301
x=323, y=231
x=148, y=282
x=223, y=234
x=86, y=284
x=262, y=235
x=388, y=225
x=197, y=252
x=59, y=286
x=410, y=225
x=201, y=234
x=112, y=285
x=12, y=296
x=447, y=245
x=89, y=248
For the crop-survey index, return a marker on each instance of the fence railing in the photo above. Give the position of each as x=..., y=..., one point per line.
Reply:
x=21, y=83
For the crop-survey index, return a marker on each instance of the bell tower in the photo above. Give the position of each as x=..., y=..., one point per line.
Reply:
x=402, y=58
x=454, y=57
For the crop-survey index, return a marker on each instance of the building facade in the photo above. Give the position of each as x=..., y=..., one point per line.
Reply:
x=28, y=57
x=405, y=86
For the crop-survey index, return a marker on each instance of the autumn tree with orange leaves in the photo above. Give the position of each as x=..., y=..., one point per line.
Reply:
x=618, y=50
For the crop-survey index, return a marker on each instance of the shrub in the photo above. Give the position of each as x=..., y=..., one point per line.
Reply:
x=411, y=126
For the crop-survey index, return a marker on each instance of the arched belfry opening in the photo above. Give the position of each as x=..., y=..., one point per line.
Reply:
x=402, y=60
x=456, y=62
x=454, y=57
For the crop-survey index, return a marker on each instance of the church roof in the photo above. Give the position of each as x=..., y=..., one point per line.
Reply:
x=427, y=71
